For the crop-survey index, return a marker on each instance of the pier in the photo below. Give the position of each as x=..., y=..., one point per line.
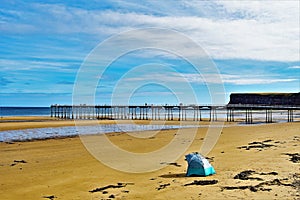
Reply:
x=232, y=112
x=242, y=106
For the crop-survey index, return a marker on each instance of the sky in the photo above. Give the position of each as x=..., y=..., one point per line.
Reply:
x=45, y=46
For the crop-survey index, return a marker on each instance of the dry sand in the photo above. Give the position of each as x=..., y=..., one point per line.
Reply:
x=64, y=169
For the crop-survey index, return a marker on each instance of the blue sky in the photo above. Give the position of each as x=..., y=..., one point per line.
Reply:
x=255, y=46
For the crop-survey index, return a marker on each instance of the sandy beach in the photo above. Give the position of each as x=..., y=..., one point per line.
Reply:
x=252, y=162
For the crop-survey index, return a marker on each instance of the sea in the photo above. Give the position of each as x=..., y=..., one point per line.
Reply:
x=24, y=111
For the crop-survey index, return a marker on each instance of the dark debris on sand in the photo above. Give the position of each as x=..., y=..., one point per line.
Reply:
x=270, y=173
x=119, y=185
x=172, y=163
x=202, y=182
x=260, y=186
x=163, y=186
x=257, y=145
x=296, y=181
x=294, y=157
x=20, y=161
x=17, y=162
x=296, y=138
x=246, y=175
x=51, y=197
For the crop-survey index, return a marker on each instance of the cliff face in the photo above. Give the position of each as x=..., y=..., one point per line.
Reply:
x=265, y=98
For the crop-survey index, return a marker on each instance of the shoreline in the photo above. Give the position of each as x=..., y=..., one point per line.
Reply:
x=16, y=123
x=26, y=122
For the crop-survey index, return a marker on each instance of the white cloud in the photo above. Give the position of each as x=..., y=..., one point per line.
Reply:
x=238, y=80
x=210, y=79
x=294, y=67
x=248, y=79
x=225, y=29
x=263, y=10
x=27, y=65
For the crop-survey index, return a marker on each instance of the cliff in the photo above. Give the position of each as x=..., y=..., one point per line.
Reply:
x=265, y=98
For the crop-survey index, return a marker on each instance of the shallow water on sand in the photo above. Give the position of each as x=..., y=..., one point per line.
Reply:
x=67, y=131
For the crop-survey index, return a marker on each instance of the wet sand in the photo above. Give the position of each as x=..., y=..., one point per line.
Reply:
x=252, y=162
